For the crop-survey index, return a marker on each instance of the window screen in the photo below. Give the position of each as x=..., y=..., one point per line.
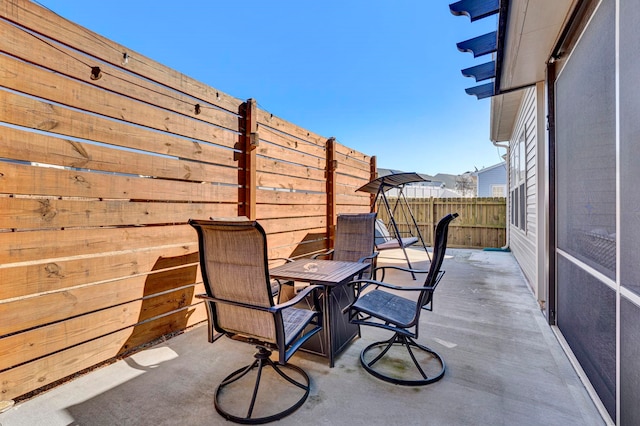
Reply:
x=629, y=146
x=586, y=202
x=586, y=150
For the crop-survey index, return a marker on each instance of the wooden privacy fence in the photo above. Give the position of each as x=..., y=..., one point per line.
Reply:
x=482, y=221
x=104, y=156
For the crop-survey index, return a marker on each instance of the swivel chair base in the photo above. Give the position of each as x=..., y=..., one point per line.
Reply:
x=410, y=345
x=262, y=359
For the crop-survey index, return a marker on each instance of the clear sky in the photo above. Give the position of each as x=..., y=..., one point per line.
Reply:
x=381, y=76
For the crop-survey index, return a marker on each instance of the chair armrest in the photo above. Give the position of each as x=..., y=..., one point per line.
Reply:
x=398, y=268
x=205, y=297
x=286, y=259
x=388, y=285
x=231, y=302
x=370, y=257
x=326, y=253
x=298, y=297
x=272, y=309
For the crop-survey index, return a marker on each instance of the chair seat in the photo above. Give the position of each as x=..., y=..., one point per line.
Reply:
x=388, y=307
x=393, y=243
x=295, y=320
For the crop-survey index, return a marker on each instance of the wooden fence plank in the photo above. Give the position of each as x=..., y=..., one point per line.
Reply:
x=41, y=82
x=279, y=225
x=44, y=371
x=35, y=343
x=43, y=213
x=33, y=375
x=350, y=183
x=37, y=246
x=22, y=314
x=270, y=180
x=285, y=198
x=273, y=211
x=34, y=180
x=361, y=173
x=48, y=275
x=266, y=119
x=300, y=250
x=355, y=199
x=75, y=65
x=295, y=237
x=47, y=85
x=43, y=21
x=267, y=165
x=347, y=152
x=176, y=321
x=276, y=138
x=23, y=347
x=22, y=145
x=31, y=113
x=280, y=153
x=351, y=165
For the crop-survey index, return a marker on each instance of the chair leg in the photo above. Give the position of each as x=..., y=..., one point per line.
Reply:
x=262, y=360
x=411, y=346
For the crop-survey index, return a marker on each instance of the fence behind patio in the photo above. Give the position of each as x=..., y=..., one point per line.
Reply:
x=104, y=156
x=482, y=221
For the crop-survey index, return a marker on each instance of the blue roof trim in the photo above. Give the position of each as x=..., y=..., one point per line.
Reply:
x=482, y=91
x=492, y=42
x=481, y=72
x=475, y=9
x=486, y=43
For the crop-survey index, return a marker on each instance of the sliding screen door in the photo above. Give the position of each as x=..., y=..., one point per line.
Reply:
x=586, y=202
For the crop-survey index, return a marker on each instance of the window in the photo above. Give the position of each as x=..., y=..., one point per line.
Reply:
x=518, y=183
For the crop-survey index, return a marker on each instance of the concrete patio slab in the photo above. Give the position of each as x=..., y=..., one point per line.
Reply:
x=504, y=367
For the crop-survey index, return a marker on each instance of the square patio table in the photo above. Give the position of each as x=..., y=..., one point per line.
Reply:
x=333, y=275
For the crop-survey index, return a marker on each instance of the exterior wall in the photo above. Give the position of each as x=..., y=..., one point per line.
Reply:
x=542, y=199
x=490, y=177
x=590, y=162
x=598, y=303
x=523, y=240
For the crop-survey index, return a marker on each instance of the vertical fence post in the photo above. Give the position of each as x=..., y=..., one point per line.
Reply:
x=332, y=165
x=247, y=165
x=373, y=173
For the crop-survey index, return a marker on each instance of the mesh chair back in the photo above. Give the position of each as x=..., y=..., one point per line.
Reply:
x=355, y=236
x=234, y=259
x=439, y=249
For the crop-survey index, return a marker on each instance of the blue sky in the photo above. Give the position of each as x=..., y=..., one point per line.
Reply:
x=383, y=77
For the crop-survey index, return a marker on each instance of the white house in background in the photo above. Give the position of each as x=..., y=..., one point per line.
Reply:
x=492, y=181
x=438, y=186
x=564, y=102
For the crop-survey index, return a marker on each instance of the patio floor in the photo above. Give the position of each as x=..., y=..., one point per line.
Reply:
x=504, y=367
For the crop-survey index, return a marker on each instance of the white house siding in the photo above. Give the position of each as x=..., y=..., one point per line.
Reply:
x=523, y=243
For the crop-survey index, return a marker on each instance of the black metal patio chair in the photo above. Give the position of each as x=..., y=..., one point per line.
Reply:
x=379, y=304
x=353, y=242
x=239, y=300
